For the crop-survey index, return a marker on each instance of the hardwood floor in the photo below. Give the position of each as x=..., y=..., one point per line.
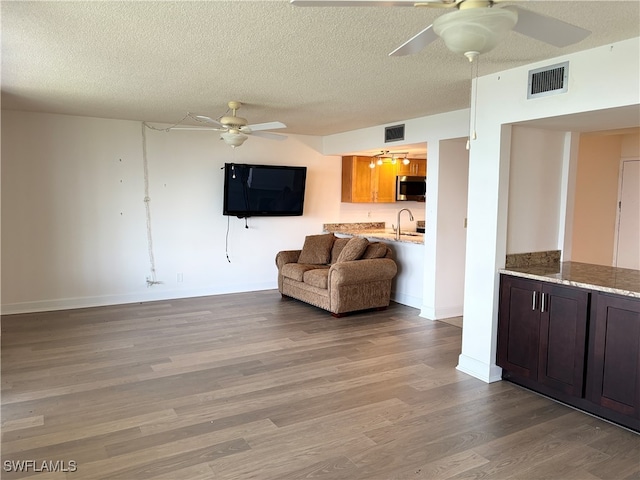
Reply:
x=251, y=386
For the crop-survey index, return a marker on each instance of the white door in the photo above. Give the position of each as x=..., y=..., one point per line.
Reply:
x=628, y=228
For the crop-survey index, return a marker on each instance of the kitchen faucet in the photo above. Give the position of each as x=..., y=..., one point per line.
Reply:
x=398, y=224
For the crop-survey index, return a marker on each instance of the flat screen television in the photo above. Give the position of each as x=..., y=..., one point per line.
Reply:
x=263, y=190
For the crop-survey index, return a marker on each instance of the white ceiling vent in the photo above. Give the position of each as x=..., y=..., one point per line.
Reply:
x=394, y=133
x=548, y=80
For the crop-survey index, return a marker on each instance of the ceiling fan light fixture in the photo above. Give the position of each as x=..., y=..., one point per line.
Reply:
x=474, y=30
x=233, y=139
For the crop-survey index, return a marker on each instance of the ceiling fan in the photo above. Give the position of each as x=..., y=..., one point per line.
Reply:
x=473, y=27
x=235, y=129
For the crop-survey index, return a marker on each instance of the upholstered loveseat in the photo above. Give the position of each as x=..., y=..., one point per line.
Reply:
x=338, y=274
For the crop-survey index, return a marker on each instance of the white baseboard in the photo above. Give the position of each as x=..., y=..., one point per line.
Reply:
x=408, y=300
x=149, y=295
x=439, y=313
x=482, y=371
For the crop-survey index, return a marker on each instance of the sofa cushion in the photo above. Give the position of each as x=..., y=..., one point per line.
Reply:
x=295, y=271
x=353, y=250
x=338, y=245
x=317, y=249
x=318, y=277
x=375, y=250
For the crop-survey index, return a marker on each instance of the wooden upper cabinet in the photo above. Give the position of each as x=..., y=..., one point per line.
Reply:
x=384, y=179
x=357, y=184
x=416, y=168
x=363, y=184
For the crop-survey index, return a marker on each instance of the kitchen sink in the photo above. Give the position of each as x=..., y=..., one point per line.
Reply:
x=412, y=234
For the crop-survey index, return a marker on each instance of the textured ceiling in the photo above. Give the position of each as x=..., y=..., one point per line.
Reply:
x=318, y=70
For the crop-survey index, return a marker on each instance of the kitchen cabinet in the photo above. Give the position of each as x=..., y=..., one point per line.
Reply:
x=416, y=167
x=542, y=332
x=363, y=184
x=614, y=362
x=576, y=345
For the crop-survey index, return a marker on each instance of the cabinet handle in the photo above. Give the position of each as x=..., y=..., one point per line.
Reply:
x=533, y=305
x=542, y=304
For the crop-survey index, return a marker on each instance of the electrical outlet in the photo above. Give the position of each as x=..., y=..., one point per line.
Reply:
x=180, y=277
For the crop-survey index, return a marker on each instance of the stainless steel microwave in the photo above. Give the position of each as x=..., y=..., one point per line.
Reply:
x=410, y=188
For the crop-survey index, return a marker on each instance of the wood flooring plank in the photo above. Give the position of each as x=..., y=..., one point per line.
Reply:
x=350, y=422
x=174, y=462
x=181, y=453
x=327, y=468
x=79, y=433
x=444, y=468
x=22, y=423
x=562, y=464
x=623, y=449
x=200, y=471
x=272, y=462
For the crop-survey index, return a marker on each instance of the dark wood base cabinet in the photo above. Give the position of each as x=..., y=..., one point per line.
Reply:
x=578, y=346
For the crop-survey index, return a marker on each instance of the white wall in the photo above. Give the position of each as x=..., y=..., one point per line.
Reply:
x=73, y=219
x=446, y=235
x=73, y=222
x=535, y=190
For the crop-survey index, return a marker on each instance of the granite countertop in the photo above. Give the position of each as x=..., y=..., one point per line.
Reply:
x=621, y=281
x=374, y=230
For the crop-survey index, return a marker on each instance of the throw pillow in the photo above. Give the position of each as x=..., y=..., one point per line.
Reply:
x=353, y=250
x=338, y=245
x=375, y=250
x=317, y=249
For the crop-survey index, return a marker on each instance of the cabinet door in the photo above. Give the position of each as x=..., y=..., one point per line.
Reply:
x=416, y=167
x=420, y=166
x=357, y=185
x=385, y=183
x=404, y=169
x=563, y=337
x=614, y=362
x=519, y=326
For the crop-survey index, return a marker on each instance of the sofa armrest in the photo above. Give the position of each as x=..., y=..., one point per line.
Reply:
x=287, y=256
x=362, y=271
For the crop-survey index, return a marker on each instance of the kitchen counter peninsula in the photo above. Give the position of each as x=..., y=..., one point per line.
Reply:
x=620, y=281
x=374, y=231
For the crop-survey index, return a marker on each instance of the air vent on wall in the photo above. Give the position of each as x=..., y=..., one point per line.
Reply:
x=548, y=80
x=394, y=133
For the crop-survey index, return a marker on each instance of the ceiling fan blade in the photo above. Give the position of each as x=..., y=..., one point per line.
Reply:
x=415, y=43
x=266, y=126
x=269, y=135
x=207, y=129
x=353, y=3
x=547, y=29
x=204, y=118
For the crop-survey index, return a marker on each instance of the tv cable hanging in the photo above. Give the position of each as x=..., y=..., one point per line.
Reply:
x=152, y=279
